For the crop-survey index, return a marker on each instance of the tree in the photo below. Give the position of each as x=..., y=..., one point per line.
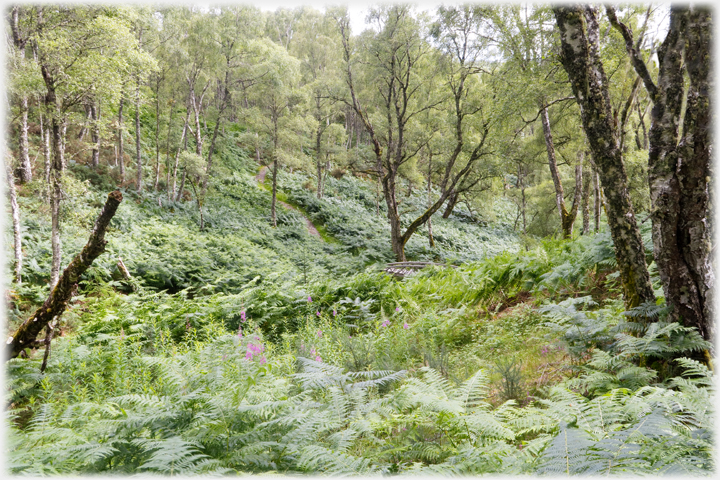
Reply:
x=317, y=44
x=81, y=52
x=679, y=163
x=276, y=94
x=524, y=36
x=66, y=287
x=401, y=64
x=579, y=55
x=20, y=38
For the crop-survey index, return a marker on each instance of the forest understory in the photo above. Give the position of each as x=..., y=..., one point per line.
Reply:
x=231, y=312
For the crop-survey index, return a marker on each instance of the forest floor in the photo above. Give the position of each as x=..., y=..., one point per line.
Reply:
x=312, y=230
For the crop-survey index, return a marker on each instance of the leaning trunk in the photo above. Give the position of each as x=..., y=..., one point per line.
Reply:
x=552, y=163
x=62, y=292
x=452, y=201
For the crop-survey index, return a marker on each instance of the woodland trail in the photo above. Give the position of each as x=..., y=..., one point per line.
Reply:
x=312, y=230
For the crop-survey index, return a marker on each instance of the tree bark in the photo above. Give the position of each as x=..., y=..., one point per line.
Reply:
x=183, y=140
x=318, y=147
x=452, y=201
x=138, y=147
x=17, y=239
x=25, y=168
x=431, y=239
x=182, y=186
x=552, y=163
x=45, y=139
x=580, y=57
x=199, y=204
x=157, y=136
x=273, y=214
x=586, y=204
x=679, y=166
x=567, y=218
x=121, y=147
x=60, y=295
x=19, y=41
x=95, y=129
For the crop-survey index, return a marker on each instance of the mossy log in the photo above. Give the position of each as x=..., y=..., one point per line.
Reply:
x=57, y=301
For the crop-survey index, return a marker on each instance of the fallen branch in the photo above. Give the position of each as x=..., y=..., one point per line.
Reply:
x=56, y=303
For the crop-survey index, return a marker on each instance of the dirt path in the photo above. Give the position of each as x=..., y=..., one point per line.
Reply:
x=260, y=177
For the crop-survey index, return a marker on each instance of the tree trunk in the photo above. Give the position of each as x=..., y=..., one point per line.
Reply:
x=431, y=240
x=567, y=218
x=183, y=140
x=586, y=204
x=579, y=33
x=25, y=168
x=695, y=152
x=210, y=157
x=318, y=146
x=61, y=294
x=199, y=203
x=17, y=239
x=679, y=166
x=157, y=137
x=182, y=186
x=95, y=127
x=56, y=245
x=452, y=201
x=19, y=42
x=552, y=163
x=138, y=148
x=167, y=150
x=121, y=148
x=597, y=200
x=45, y=139
x=273, y=214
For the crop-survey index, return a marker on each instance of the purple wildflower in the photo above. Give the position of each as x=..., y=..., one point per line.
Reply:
x=385, y=323
x=317, y=313
x=242, y=315
x=318, y=359
x=406, y=326
x=319, y=333
x=334, y=313
x=309, y=299
x=254, y=349
x=397, y=309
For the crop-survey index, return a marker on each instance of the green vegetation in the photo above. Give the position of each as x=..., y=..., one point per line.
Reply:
x=220, y=334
